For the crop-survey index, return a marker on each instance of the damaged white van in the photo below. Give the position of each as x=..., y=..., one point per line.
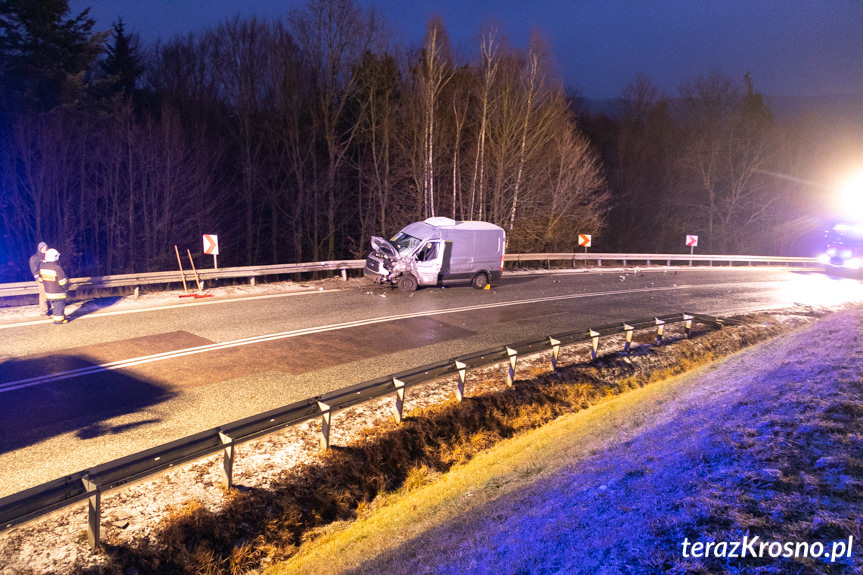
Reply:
x=438, y=251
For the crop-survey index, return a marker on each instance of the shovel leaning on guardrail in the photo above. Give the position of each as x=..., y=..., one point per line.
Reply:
x=197, y=279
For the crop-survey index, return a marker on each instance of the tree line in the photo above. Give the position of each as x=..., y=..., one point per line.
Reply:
x=296, y=139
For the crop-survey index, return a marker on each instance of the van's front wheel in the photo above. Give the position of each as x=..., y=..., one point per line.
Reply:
x=407, y=283
x=479, y=281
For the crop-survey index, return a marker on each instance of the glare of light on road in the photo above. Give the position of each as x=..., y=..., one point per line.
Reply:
x=815, y=289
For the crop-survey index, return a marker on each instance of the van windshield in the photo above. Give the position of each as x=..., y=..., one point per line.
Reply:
x=404, y=243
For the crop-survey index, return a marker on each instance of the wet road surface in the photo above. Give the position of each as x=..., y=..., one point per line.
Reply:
x=107, y=385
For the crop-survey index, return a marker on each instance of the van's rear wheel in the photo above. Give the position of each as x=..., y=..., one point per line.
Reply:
x=407, y=283
x=479, y=281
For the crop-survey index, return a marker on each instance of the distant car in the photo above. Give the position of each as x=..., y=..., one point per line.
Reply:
x=843, y=247
x=438, y=251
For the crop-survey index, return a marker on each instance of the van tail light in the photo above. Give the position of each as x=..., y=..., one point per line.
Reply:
x=501, y=262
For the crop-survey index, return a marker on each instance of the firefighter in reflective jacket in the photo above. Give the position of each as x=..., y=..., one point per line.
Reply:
x=55, y=282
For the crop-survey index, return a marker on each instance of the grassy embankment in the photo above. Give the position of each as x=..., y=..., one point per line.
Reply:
x=396, y=481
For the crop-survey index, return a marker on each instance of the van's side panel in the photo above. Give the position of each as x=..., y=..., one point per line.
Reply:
x=473, y=250
x=461, y=258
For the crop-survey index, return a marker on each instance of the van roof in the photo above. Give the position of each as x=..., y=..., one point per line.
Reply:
x=466, y=225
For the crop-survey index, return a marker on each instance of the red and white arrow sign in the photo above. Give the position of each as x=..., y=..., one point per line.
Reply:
x=211, y=245
x=691, y=241
x=584, y=240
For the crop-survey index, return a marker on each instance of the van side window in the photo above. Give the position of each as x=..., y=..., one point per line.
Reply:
x=429, y=252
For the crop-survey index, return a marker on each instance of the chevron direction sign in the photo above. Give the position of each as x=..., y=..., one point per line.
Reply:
x=211, y=244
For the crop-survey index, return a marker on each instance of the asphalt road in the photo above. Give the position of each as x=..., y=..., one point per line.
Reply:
x=109, y=384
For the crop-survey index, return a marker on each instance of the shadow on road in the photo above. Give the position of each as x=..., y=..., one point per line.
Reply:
x=92, y=306
x=84, y=404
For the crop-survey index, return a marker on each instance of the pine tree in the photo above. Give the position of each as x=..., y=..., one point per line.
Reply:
x=44, y=52
x=122, y=64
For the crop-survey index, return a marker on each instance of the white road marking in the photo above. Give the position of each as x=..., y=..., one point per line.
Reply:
x=131, y=362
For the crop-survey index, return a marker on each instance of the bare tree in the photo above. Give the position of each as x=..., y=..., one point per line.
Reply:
x=707, y=104
x=381, y=171
x=533, y=84
x=489, y=60
x=728, y=143
x=290, y=131
x=334, y=34
x=243, y=67
x=460, y=94
x=640, y=172
x=435, y=70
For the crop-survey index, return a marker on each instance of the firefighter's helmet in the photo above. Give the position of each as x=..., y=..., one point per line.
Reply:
x=52, y=255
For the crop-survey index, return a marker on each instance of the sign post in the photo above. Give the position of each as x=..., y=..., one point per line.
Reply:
x=211, y=246
x=691, y=241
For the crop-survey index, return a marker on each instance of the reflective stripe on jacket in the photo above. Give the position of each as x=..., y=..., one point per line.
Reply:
x=54, y=279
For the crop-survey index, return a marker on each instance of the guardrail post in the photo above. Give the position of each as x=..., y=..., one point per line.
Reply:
x=555, y=352
x=598, y=263
x=252, y=281
x=94, y=511
x=325, y=425
x=660, y=328
x=400, y=399
x=227, y=460
x=628, y=329
x=462, y=374
x=344, y=275
x=510, y=373
x=594, y=343
x=687, y=326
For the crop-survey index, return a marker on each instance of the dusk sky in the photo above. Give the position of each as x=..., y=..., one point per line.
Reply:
x=791, y=47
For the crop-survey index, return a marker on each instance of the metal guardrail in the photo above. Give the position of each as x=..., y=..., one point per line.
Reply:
x=651, y=259
x=175, y=277
x=252, y=272
x=90, y=484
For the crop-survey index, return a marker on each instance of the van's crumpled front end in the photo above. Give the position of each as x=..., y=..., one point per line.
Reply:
x=384, y=264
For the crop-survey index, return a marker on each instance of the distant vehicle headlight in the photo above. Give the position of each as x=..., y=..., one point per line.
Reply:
x=852, y=263
x=824, y=258
x=831, y=251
